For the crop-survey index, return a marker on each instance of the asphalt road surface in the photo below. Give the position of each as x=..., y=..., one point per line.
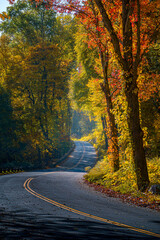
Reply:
x=56, y=204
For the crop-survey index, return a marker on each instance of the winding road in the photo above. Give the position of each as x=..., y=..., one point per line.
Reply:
x=56, y=204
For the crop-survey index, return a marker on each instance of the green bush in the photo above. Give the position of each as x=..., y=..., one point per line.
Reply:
x=124, y=180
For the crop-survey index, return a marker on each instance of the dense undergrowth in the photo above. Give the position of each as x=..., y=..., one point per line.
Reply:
x=122, y=182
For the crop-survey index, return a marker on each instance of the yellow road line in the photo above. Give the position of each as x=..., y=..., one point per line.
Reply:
x=62, y=206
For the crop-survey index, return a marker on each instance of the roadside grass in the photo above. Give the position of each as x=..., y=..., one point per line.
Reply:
x=124, y=181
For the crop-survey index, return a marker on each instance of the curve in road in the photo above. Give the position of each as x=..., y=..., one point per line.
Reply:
x=56, y=204
x=62, y=206
x=73, y=165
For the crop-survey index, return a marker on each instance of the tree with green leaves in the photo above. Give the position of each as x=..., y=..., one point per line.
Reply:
x=37, y=77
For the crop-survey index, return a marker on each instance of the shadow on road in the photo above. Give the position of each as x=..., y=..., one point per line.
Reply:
x=23, y=225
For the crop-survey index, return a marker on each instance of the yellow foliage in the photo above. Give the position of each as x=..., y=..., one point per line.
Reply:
x=3, y=15
x=124, y=180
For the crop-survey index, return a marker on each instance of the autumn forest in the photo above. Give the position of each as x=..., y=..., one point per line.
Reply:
x=85, y=70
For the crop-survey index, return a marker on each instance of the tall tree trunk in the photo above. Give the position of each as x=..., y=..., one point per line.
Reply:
x=104, y=125
x=131, y=93
x=113, y=148
x=45, y=82
x=112, y=133
x=129, y=67
x=136, y=133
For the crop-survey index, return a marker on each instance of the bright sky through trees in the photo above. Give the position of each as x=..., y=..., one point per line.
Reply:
x=3, y=5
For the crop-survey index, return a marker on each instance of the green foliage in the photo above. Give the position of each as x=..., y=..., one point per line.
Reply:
x=82, y=125
x=78, y=89
x=65, y=28
x=153, y=58
x=97, y=173
x=85, y=92
x=7, y=127
x=154, y=170
x=124, y=180
x=149, y=100
x=29, y=22
x=35, y=73
x=83, y=71
x=150, y=123
x=85, y=56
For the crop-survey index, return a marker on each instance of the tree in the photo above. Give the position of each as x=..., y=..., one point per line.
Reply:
x=129, y=59
x=148, y=84
x=29, y=22
x=94, y=40
x=132, y=26
x=7, y=128
x=82, y=125
x=8, y=125
x=102, y=44
x=36, y=74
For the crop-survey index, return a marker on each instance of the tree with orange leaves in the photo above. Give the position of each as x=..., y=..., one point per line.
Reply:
x=96, y=38
x=130, y=44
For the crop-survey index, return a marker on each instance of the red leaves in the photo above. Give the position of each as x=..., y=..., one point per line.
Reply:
x=61, y=6
x=11, y=1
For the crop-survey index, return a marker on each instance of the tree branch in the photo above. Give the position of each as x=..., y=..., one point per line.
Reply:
x=113, y=35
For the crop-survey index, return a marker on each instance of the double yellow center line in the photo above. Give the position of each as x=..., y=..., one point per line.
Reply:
x=62, y=206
